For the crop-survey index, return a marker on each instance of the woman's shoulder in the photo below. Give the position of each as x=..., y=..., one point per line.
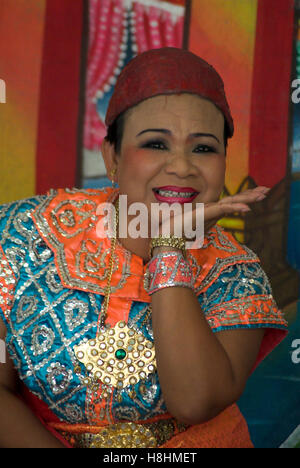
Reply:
x=11, y=211
x=223, y=243
x=23, y=221
x=15, y=219
x=65, y=193
x=13, y=207
x=220, y=251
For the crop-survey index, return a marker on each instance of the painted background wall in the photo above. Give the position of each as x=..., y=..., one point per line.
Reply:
x=40, y=56
x=59, y=60
x=21, y=44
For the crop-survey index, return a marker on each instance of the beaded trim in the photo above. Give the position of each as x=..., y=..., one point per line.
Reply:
x=166, y=270
x=171, y=241
x=7, y=283
x=126, y=435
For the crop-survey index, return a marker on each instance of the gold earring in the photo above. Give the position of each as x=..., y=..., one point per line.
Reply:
x=112, y=174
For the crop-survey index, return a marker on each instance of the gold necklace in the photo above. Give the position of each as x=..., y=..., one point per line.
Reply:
x=118, y=356
x=104, y=307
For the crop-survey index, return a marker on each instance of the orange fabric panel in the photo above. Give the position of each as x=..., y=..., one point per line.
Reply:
x=227, y=430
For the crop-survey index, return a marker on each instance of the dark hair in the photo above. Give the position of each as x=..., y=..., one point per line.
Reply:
x=115, y=133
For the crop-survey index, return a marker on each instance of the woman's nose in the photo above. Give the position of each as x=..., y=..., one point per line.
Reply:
x=180, y=165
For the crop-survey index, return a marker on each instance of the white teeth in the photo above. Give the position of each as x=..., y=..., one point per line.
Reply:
x=169, y=193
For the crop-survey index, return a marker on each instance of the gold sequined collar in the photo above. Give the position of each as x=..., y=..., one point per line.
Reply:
x=67, y=222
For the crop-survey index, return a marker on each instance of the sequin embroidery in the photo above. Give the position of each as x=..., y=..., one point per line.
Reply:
x=50, y=305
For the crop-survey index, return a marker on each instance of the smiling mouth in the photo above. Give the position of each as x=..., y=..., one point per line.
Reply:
x=171, y=193
x=175, y=194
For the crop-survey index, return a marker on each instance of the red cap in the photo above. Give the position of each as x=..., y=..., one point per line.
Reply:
x=167, y=71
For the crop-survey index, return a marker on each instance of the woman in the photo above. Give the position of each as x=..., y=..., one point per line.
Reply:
x=81, y=313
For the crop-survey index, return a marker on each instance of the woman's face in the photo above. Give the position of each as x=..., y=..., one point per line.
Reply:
x=170, y=140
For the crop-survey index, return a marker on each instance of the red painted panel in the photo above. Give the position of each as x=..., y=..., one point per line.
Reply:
x=56, y=158
x=271, y=91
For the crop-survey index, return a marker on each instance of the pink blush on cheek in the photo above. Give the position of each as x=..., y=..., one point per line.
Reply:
x=138, y=159
x=137, y=168
x=131, y=151
x=132, y=155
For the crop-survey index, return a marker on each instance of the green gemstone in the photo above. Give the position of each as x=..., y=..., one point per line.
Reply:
x=120, y=354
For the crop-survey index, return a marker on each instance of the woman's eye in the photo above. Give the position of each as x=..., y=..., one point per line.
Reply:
x=155, y=145
x=205, y=149
x=160, y=145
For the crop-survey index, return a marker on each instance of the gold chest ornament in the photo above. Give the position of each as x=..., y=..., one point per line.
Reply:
x=118, y=357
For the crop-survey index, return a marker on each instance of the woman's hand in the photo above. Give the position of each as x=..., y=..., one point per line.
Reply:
x=214, y=211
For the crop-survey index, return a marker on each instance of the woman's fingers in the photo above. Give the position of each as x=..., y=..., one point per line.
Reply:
x=214, y=211
x=248, y=196
x=219, y=210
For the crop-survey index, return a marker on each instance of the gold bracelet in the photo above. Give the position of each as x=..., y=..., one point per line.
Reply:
x=169, y=241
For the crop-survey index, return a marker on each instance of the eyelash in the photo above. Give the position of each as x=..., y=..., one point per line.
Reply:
x=210, y=149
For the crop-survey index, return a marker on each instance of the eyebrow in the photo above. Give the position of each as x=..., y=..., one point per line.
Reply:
x=168, y=132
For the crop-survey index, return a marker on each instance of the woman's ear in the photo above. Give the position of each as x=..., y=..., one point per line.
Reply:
x=109, y=156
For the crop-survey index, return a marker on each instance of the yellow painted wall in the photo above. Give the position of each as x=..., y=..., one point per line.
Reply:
x=223, y=33
x=21, y=42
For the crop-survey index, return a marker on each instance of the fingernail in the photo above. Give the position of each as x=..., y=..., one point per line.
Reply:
x=246, y=209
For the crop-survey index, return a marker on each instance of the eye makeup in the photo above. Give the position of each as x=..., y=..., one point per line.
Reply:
x=158, y=144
